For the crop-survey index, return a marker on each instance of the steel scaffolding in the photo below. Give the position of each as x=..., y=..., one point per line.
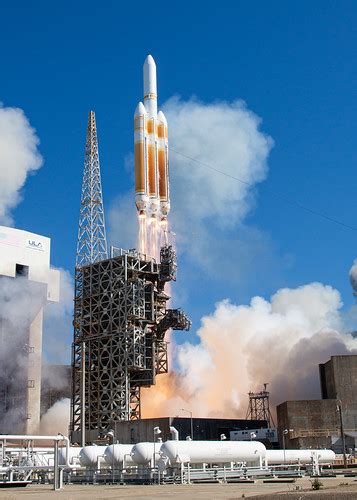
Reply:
x=120, y=321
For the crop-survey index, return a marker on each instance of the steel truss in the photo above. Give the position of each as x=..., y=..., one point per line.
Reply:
x=92, y=242
x=120, y=320
x=259, y=408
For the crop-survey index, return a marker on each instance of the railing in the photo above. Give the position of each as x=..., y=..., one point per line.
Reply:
x=317, y=433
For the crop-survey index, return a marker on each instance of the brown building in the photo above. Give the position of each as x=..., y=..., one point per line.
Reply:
x=317, y=423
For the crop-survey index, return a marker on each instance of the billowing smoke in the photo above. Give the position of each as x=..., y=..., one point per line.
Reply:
x=280, y=341
x=58, y=328
x=19, y=157
x=225, y=136
x=56, y=419
x=20, y=302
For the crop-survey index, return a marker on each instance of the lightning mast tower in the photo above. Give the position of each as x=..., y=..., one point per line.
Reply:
x=92, y=241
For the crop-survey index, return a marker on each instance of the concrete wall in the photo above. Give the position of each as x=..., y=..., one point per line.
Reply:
x=339, y=381
x=311, y=417
x=317, y=423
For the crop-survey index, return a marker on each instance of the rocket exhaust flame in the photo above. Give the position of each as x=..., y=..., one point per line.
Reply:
x=153, y=237
x=142, y=233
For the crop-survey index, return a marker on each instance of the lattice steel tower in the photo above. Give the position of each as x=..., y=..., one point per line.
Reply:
x=258, y=408
x=92, y=241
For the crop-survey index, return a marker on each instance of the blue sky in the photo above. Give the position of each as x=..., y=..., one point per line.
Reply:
x=294, y=64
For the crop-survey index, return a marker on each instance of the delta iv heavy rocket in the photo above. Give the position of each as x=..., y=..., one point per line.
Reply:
x=151, y=151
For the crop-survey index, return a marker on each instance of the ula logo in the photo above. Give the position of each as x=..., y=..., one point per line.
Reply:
x=36, y=245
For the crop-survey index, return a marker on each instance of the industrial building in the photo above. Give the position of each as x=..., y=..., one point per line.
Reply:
x=27, y=284
x=197, y=428
x=324, y=423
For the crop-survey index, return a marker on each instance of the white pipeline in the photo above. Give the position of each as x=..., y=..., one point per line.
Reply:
x=299, y=456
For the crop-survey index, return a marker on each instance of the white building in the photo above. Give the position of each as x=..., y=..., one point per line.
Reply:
x=264, y=435
x=27, y=284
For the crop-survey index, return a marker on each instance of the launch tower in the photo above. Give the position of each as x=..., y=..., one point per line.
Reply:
x=120, y=318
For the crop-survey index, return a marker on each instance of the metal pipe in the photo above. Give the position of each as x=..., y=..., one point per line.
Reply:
x=342, y=430
x=83, y=395
x=174, y=433
x=55, y=468
x=191, y=418
x=28, y=437
x=31, y=437
x=66, y=439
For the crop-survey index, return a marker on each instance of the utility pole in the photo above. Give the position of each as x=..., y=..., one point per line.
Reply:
x=191, y=420
x=342, y=430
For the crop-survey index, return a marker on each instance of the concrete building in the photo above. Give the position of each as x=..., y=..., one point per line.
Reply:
x=27, y=284
x=317, y=423
x=137, y=431
x=338, y=379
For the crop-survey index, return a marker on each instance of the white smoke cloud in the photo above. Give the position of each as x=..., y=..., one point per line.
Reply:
x=56, y=419
x=226, y=136
x=19, y=157
x=280, y=342
x=58, y=328
x=20, y=302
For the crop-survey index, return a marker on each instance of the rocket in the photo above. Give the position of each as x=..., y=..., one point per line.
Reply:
x=151, y=151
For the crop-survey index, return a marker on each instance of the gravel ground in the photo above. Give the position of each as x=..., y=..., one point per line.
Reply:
x=333, y=488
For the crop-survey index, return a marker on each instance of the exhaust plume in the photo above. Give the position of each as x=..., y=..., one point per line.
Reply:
x=56, y=419
x=280, y=341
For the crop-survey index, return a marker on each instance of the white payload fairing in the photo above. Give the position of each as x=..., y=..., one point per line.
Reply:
x=151, y=151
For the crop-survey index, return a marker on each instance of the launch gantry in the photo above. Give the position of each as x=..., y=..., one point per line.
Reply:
x=120, y=321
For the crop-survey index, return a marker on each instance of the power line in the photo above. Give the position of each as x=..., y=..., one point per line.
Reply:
x=277, y=195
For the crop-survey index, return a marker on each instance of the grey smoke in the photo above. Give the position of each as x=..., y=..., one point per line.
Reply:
x=20, y=301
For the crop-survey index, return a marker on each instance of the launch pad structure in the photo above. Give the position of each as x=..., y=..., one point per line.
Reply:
x=120, y=317
x=120, y=321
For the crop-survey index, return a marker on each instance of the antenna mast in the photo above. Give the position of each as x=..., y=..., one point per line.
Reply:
x=92, y=241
